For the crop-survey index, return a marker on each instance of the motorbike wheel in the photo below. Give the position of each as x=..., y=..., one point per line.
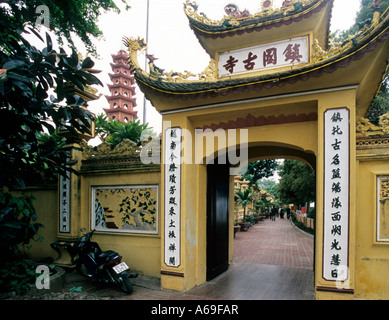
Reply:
x=125, y=284
x=82, y=270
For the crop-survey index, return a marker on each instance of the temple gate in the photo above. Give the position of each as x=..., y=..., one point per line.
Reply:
x=276, y=87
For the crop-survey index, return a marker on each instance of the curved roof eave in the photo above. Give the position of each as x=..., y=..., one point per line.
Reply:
x=231, y=26
x=223, y=86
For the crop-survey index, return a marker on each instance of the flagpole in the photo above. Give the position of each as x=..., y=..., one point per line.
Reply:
x=147, y=42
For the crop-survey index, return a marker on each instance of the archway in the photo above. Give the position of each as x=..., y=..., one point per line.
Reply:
x=220, y=202
x=272, y=260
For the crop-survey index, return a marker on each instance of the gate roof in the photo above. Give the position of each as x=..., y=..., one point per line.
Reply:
x=360, y=61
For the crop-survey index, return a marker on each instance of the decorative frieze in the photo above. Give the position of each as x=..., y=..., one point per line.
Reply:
x=105, y=150
x=252, y=121
x=367, y=129
x=370, y=136
x=125, y=209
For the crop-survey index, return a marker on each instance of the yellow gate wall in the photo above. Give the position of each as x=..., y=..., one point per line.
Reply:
x=141, y=252
x=372, y=256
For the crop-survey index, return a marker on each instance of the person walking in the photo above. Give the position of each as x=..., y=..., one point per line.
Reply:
x=288, y=212
x=273, y=214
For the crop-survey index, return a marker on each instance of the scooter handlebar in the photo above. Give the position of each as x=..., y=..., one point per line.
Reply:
x=84, y=238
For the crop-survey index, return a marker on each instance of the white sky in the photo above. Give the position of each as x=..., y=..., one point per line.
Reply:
x=172, y=41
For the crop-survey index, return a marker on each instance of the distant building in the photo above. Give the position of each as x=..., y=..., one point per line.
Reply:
x=121, y=100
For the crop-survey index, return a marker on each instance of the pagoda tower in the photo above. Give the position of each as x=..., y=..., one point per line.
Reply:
x=122, y=89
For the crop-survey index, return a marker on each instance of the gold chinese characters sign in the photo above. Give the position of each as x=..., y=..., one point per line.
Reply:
x=131, y=209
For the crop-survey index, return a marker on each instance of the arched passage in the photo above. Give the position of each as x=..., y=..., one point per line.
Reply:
x=220, y=201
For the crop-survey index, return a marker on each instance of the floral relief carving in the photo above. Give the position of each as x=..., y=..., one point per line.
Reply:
x=384, y=194
x=104, y=150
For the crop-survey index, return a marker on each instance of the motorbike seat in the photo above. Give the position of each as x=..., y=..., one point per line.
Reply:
x=106, y=254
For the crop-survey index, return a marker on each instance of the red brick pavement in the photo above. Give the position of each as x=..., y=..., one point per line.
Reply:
x=274, y=243
x=272, y=261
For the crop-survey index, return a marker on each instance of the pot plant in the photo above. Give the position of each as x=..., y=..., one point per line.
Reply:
x=236, y=227
x=256, y=216
x=243, y=198
x=251, y=220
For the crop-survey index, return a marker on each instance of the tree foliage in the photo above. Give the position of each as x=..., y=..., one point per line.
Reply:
x=67, y=18
x=380, y=105
x=36, y=98
x=297, y=184
x=243, y=198
x=259, y=169
x=270, y=186
x=28, y=75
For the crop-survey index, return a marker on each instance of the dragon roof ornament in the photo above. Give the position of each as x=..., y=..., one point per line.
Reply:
x=137, y=45
x=366, y=129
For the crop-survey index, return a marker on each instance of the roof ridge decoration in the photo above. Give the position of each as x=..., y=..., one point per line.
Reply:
x=235, y=18
x=104, y=150
x=367, y=129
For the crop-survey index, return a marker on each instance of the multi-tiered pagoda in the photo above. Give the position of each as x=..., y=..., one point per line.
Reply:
x=121, y=100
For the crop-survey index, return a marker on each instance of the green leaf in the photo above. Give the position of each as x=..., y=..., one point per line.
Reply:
x=26, y=90
x=73, y=59
x=87, y=63
x=13, y=64
x=13, y=225
x=49, y=43
x=36, y=33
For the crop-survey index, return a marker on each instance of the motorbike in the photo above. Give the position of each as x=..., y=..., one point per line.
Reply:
x=105, y=266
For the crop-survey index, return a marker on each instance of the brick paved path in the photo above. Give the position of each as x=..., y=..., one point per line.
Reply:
x=272, y=261
x=274, y=243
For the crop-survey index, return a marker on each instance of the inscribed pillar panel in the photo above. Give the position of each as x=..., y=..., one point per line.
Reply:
x=172, y=164
x=336, y=194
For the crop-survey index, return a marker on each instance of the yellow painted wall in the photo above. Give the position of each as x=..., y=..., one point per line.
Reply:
x=46, y=206
x=372, y=256
x=142, y=252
